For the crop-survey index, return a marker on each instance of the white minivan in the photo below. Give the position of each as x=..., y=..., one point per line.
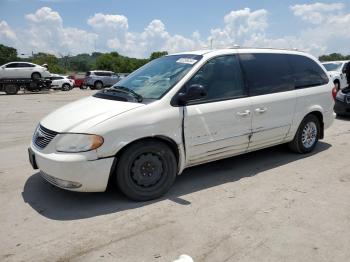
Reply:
x=183, y=110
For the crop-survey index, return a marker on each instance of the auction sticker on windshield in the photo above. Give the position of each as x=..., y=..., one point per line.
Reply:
x=189, y=61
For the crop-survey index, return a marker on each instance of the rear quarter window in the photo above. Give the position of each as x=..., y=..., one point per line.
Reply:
x=307, y=73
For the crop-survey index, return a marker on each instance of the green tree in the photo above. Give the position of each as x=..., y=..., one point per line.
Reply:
x=7, y=54
x=50, y=60
x=156, y=55
x=333, y=57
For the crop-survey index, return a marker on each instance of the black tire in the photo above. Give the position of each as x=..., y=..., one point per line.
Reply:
x=36, y=76
x=297, y=144
x=146, y=170
x=11, y=89
x=66, y=87
x=98, y=85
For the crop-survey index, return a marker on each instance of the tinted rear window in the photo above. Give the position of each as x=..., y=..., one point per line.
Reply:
x=267, y=73
x=307, y=73
x=88, y=73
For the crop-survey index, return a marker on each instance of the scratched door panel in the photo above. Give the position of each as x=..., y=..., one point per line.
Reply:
x=217, y=130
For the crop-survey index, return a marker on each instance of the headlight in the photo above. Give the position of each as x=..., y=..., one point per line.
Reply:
x=340, y=96
x=74, y=143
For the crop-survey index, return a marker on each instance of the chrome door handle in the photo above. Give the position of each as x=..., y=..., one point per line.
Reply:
x=244, y=113
x=261, y=110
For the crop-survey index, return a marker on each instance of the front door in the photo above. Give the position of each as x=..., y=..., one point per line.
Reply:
x=11, y=70
x=219, y=125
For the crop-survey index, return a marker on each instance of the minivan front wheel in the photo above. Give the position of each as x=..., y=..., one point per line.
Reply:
x=307, y=135
x=146, y=170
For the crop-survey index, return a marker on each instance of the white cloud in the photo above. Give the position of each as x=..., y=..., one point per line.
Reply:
x=46, y=33
x=113, y=34
x=101, y=21
x=327, y=30
x=316, y=13
x=7, y=35
x=240, y=25
x=324, y=31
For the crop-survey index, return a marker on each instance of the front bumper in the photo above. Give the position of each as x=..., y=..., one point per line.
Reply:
x=75, y=172
x=342, y=108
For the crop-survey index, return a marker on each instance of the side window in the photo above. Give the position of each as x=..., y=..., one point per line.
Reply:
x=221, y=77
x=23, y=65
x=307, y=73
x=267, y=73
x=12, y=65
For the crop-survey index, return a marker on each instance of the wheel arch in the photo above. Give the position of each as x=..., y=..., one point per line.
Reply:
x=319, y=116
x=36, y=72
x=167, y=140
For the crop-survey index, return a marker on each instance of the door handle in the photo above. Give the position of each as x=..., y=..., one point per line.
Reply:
x=261, y=110
x=244, y=113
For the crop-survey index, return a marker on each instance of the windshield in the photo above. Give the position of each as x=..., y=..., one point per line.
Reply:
x=154, y=79
x=332, y=66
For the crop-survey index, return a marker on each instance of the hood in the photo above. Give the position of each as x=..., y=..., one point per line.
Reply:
x=83, y=114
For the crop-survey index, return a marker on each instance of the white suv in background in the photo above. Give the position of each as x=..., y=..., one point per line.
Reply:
x=337, y=71
x=61, y=82
x=99, y=79
x=183, y=110
x=23, y=70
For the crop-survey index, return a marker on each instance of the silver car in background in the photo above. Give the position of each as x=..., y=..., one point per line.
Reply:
x=99, y=79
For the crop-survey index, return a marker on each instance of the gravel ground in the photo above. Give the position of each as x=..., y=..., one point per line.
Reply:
x=270, y=205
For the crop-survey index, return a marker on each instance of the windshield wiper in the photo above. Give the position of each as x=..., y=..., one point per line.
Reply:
x=126, y=90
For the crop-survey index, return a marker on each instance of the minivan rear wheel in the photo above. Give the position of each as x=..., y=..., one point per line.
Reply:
x=146, y=170
x=307, y=135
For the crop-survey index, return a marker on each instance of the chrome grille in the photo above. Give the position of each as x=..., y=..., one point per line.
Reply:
x=43, y=136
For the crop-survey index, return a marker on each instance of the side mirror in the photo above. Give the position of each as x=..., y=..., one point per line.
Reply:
x=193, y=92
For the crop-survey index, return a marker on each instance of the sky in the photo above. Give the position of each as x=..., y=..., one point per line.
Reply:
x=137, y=28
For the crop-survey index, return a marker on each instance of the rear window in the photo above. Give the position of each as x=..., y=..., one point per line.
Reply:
x=88, y=73
x=332, y=66
x=307, y=73
x=267, y=73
